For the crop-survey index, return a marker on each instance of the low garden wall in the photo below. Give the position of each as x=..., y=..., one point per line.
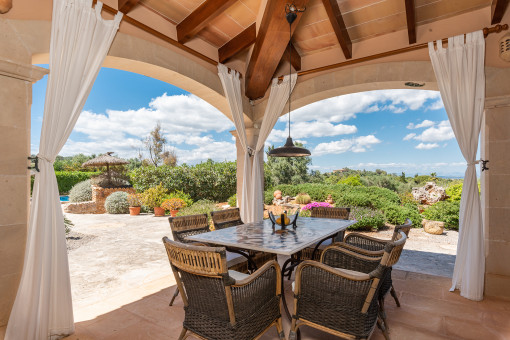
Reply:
x=96, y=206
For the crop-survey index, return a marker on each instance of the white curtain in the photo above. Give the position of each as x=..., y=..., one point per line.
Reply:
x=277, y=99
x=459, y=70
x=232, y=88
x=252, y=208
x=80, y=40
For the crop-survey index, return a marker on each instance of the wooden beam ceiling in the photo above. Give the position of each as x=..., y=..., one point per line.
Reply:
x=296, y=58
x=238, y=43
x=125, y=6
x=271, y=42
x=411, y=21
x=200, y=17
x=335, y=17
x=498, y=9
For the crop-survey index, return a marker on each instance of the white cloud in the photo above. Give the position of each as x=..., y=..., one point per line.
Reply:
x=359, y=144
x=345, y=107
x=185, y=120
x=427, y=146
x=437, y=105
x=312, y=129
x=409, y=136
x=424, y=124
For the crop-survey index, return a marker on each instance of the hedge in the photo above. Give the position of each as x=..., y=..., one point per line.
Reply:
x=208, y=180
x=67, y=179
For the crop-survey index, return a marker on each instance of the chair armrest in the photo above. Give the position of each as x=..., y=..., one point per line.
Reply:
x=339, y=257
x=365, y=242
x=371, y=253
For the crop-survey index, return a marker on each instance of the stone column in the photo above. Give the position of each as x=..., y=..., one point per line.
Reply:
x=16, y=78
x=496, y=146
x=252, y=135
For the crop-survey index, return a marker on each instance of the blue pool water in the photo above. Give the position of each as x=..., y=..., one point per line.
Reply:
x=64, y=198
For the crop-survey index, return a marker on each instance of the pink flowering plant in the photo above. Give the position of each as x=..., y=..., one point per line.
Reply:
x=309, y=206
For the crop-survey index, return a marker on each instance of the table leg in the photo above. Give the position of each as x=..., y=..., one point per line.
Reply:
x=288, y=268
x=252, y=266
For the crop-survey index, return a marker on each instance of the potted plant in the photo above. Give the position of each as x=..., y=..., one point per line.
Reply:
x=173, y=204
x=135, y=203
x=153, y=197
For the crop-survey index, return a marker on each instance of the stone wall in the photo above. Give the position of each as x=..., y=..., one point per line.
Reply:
x=96, y=206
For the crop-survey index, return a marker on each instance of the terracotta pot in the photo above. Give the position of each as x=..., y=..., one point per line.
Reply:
x=173, y=213
x=158, y=211
x=134, y=211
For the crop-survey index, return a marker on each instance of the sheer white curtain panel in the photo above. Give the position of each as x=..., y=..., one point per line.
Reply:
x=460, y=75
x=80, y=40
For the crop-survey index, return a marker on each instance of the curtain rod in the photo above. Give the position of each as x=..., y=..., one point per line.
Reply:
x=486, y=31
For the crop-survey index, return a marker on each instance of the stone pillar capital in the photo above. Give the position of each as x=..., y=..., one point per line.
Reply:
x=22, y=71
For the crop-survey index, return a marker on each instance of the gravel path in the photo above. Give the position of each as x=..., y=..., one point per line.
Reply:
x=108, y=253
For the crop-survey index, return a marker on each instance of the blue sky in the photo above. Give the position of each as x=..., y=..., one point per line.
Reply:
x=394, y=130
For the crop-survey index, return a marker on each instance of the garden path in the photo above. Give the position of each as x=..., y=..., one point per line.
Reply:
x=125, y=253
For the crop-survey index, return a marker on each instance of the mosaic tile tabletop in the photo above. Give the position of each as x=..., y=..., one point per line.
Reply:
x=262, y=237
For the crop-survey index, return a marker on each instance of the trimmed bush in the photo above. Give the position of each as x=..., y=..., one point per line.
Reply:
x=303, y=199
x=153, y=197
x=368, y=219
x=117, y=203
x=444, y=211
x=232, y=201
x=454, y=191
x=181, y=195
x=81, y=192
x=397, y=214
x=199, y=207
x=268, y=196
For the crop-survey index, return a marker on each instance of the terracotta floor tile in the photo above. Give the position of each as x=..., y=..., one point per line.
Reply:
x=401, y=331
x=156, y=310
x=497, y=319
x=111, y=323
x=399, y=274
x=415, y=318
x=466, y=329
x=144, y=330
x=431, y=279
x=422, y=288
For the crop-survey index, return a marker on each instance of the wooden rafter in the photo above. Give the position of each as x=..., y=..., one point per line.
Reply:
x=335, y=17
x=271, y=42
x=498, y=9
x=200, y=17
x=238, y=43
x=411, y=21
x=125, y=6
x=296, y=58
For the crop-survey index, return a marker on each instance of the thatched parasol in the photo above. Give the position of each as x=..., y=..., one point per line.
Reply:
x=105, y=160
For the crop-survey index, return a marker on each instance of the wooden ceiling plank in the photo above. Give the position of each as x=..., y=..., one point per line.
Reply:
x=272, y=39
x=296, y=58
x=498, y=9
x=200, y=17
x=125, y=6
x=411, y=21
x=335, y=17
x=238, y=43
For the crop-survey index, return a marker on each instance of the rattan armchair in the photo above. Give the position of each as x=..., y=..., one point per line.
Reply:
x=371, y=246
x=220, y=303
x=334, y=296
x=325, y=212
x=231, y=217
x=184, y=226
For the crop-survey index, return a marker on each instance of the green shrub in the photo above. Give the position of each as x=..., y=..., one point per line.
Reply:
x=208, y=180
x=182, y=195
x=81, y=192
x=268, y=196
x=317, y=192
x=371, y=197
x=445, y=211
x=67, y=179
x=117, y=203
x=367, y=219
x=454, y=191
x=153, y=197
x=397, y=214
x=353, y=180
x=303, y=199
x=232, y=200
x=68, y=224
x=199, y=207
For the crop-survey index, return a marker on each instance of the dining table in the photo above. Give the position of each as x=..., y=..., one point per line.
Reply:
x=268, y=237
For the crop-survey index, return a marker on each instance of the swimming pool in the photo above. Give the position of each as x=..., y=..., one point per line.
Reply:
x=64, y=198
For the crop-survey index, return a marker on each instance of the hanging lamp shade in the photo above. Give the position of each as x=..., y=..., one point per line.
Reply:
x=289, y=149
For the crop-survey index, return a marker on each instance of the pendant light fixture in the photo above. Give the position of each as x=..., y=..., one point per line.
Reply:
x=289, y=149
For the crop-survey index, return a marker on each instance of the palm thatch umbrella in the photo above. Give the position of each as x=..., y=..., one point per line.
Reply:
x=105, y=160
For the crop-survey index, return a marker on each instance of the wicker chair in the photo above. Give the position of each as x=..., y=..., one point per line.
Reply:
x=334, y=296
x=325, y=212
x=184, y=226
x=371, y=246
x=231, y=217
x=220, y=303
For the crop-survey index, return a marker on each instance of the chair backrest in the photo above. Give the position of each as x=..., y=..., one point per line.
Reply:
x=331, y=212
x=393, y=249
x=226, y=218
x=184, y=226
x=406, y=227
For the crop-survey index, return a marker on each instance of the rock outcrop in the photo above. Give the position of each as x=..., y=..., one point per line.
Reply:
x=429, y=194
